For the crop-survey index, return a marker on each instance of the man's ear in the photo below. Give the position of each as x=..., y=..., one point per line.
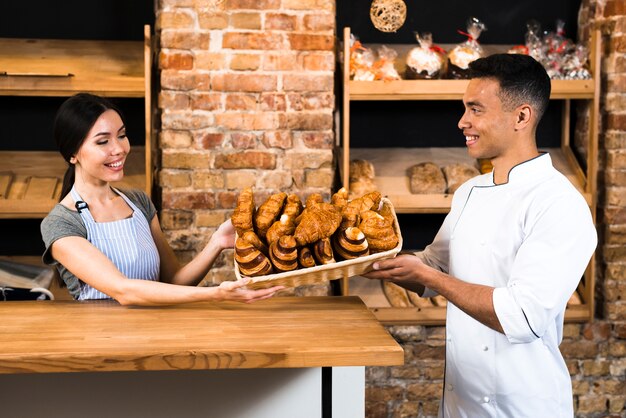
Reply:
x=523, y=115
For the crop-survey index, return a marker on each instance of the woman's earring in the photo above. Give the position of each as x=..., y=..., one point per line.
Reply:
x=73, y=160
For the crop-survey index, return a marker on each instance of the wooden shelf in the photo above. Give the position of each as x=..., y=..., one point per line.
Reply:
x=35, y=179
x=45, y=67
x=391, y=165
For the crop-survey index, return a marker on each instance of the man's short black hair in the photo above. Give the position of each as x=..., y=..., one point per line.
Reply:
x=522, y=80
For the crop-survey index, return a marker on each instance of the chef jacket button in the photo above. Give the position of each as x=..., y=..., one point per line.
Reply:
x=485, y=348
x=486, y=399
x=449, y=386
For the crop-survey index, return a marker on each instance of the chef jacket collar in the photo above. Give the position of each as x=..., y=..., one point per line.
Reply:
x=530, y=170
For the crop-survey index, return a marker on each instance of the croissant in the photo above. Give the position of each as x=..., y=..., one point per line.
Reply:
x=244, y=211
x=378, y=231
x=284, y=226
x=268, y=212
x=251, y=261
x=312, y=199
x=323, y=251
x=351, y=213
x=319, y=220
x=305, y=257
x=284, y=253
x=340, y=198
x=253, y=238
x=293, y=206
x=351, y=243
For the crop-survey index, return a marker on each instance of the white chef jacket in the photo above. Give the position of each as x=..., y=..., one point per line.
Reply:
x=531, y=239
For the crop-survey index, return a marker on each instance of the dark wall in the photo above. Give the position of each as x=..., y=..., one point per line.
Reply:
x=26, y=122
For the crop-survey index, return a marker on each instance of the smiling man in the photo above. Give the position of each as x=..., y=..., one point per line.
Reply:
x=508, y=256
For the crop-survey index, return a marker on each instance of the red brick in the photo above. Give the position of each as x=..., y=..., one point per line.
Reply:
x=206, y=60
x=424, y=391
x=614, y=8
x=280, y=21
x=241, y=101
x=244, y=82
x=244, y=140
x=615, y=271
x=618, y=44
x=615, y=215
x=319, y=22
x=615, y=196
x=173, y=100
x=184, y=160
x=206, y=101
x=597, y=331
x=185, y=39
x=323, y=61
x=308, y=82
x=316, y=140
x=176, y=80
x=174, y=139
x=186, y=120
x=579, y=349
x=617, y=83
x=245, y=20
x=620, y=330
x=280, y=62
x=169, y=60
x=383, y=393
x=427, y=351
x=248, y=121
x=245, y=62
x=188, y=200
x=273, y=102
x=212, y=20
x=305, y=42
x=211, y=140
x=227, y=200
x=309, y=121
x=614, y=253
x=375, y=409
x=174, y=19
x=316, y=5
x=252, y=4
x=310, y=101
x=263, y=41
x=614, y=291
x=278, y=139
x=591, y=404
x=253, y=159
x=176, y=219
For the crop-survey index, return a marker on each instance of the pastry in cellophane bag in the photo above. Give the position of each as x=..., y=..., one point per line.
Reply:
x=460, y=57
x=361, y=61
x=384, y=67
x=424, y=61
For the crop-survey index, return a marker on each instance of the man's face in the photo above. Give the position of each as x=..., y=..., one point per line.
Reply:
x=487, y=127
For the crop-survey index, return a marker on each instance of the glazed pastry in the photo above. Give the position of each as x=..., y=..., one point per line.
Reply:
x=319, y=220
x=284, y=254
x=386, y=212
x=340, y=198
x=351, y=243
x=323, y=251
x=284, y=226
x=457, y=174
x=305, y=257
x=313, y=199
x=252, y=238
x=250, y=260
x=350, y=215
x=293, y=206
x=426, y=178
x=396, y=295
x=378, y=231
x=244, y=211
x=268, y=212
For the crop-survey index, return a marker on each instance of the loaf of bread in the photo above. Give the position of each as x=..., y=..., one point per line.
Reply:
x=396, y=295
x=457, y=174
x=361, y=178
x=418, y=301
x=426, y=178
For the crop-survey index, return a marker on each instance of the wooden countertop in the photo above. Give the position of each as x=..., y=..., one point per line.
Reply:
x=62, y=336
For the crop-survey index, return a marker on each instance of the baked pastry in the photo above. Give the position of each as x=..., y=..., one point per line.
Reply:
x=439, y=300
x=319, y=220
x=305, y=257
x=459, y=60
x=457, y=174
x=312, y=199
x=250, y=260
x=323, y=251
x=485, y=165
x=426, y=178
x=423, y=62
x=244, y=211
x=253, y=238
x=293, y=206
x=351, y=243
x=268, y=212
x=284, y=253
x=340, y=198
x=396, y=295
x=418, y=301
x=378, y=231
x=361, y=178
x=284, y=226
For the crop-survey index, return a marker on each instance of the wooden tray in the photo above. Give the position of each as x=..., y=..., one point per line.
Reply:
x=320, y=274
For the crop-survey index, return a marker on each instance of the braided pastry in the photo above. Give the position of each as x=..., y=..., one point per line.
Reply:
x=251, y=261
x=323, y=251
x=244, y=211
x=305, y=257
x=284, y=254
x=378, y=232
x=351, y=243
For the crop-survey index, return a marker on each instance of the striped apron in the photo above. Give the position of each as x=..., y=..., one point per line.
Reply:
x=128, y=243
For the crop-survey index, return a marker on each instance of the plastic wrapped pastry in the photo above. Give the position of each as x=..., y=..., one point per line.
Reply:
x=460, y=57
x=424, y=61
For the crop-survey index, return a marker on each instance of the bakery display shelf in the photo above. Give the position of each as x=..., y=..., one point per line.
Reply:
x=391, y=166
x=30, y=181
x=49, y=67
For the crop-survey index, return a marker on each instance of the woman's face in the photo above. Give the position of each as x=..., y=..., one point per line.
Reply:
x=102, y=155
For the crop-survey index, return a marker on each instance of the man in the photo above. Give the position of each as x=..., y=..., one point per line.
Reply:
x=508, y=256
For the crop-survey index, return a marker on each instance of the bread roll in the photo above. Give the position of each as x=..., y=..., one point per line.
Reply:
x=396, y=295
x=426, y=178
x=457, y=174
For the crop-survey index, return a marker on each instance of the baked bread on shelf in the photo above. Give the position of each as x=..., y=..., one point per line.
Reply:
x=426, y=178
x=361, y=178
x=457, y=174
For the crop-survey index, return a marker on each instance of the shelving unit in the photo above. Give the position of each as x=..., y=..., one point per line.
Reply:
x=30, y=180
x=391, y=163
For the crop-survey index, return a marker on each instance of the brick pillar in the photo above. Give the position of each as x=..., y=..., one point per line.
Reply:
x=246, y=100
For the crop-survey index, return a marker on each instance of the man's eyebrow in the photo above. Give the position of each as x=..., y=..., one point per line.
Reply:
x=472, y=103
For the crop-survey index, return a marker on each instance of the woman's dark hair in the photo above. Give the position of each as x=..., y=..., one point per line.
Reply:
x=72, y=123
x=522, y=80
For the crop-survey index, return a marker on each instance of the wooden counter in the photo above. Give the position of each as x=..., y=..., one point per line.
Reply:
x=40, y=337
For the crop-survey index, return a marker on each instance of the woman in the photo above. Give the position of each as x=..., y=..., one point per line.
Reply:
x=102, y=239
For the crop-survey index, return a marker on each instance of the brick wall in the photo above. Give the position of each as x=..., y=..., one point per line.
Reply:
x=246, y=99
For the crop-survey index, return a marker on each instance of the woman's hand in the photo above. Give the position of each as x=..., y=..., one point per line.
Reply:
x=224, y=237
x=237, y=292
